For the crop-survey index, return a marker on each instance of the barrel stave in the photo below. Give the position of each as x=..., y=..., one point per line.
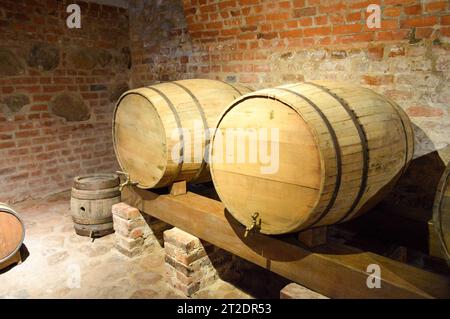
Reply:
x=441, y=213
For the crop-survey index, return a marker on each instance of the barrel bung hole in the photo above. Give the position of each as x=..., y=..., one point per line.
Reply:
x=82, y=209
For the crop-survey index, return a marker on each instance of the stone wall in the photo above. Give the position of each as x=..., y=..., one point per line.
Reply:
x=263, y=43
x=258, y=43
x=57, y=89
x=160, y=43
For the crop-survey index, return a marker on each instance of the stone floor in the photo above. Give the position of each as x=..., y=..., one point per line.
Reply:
x=61, y=264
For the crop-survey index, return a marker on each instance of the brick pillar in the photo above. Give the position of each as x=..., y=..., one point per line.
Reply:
x=295, y=291
x=192, y=264
x=135, y=231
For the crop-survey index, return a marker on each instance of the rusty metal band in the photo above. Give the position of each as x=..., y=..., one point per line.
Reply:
x=234, y=88
x=96, y=195
x=205, y=126
x=364, y=146
x=108, y=181
x=337, y=149
x=92, y=221
x=178, y=121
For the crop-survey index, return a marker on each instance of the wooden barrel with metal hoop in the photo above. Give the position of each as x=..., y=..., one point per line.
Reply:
x=331, y=151
x=161, y=132
x=91, y=203
x=441, y=213
x=12, y=234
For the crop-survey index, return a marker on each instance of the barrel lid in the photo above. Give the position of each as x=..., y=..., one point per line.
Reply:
x=441, y=212
x=96, y=181
x=139, y=137
x=11, y=239
x=279, y=165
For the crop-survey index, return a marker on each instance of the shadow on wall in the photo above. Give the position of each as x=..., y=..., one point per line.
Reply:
x=416, y=189
x=403, y=216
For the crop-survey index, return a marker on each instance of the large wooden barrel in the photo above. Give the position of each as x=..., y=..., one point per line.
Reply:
x=12, y=234
x=161, y=132
x=340, y=147
x=91, y=203
x=441, y=213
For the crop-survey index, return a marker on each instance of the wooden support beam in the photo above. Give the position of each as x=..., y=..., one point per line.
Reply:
x=313, y=237
x=334, y=270
x=178, y=188
x=398, y=253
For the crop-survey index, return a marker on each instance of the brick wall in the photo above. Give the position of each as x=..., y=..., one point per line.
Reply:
x=262, y=43
x=258, y=43
x=47, y=135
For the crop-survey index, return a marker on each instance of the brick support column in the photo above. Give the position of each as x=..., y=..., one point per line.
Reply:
x=192, y=264
x=135, y=231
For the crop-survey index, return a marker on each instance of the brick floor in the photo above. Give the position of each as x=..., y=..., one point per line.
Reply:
x=62, y=264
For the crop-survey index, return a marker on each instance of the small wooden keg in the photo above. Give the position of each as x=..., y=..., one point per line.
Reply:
x=441, y=213
x=12, y=234
x=91, y=202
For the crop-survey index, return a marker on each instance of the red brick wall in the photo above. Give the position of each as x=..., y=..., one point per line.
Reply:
x=263, y=43
x=40, y=152
x=236, y=32
x=259, y=43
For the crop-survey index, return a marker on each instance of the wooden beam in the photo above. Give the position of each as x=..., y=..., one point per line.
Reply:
x=333, y=270
x=178, y=188
x=313, y=237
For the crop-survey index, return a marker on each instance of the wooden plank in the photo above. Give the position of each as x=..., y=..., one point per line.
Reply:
x=333, y=270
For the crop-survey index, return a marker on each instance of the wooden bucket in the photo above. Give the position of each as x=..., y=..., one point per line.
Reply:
x=91, y=203
x=12, y=234
x=149, y=123
x=341, y=147
x=441, y=213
